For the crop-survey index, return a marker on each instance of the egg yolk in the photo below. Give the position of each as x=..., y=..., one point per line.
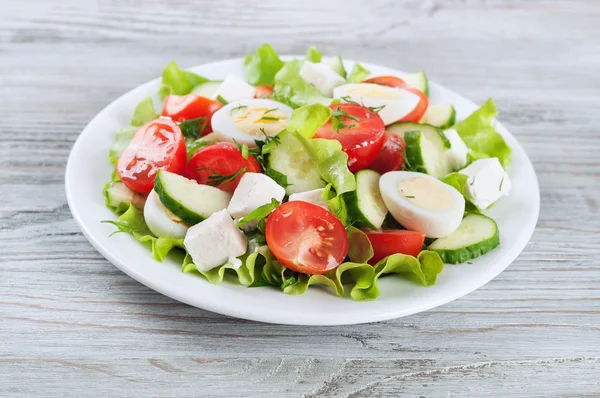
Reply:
x=426, y=193
x=259, y=121
x=369, y=90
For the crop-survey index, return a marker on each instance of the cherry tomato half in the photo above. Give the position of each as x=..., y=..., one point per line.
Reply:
x=265, y=92
x=361, y=139
x=391, y=156
x=386, y=242
x=393, y=81
x=217, y=164
x=158, y=144
x=306, y=238
x=185, y=107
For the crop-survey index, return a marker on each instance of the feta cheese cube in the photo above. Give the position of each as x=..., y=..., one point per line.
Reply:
x=215, y=241
x=253, y=191
x=315, y=197
x=487, y=182
x=234, y=89
x=322, y=77
x=457, y=154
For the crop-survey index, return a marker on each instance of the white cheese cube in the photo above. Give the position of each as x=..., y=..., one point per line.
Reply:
x=487, y=182
x=253, y=191
x=458, y=152
x=322, y=77
x=215, y=241
x=234, y=89
x=315, y=197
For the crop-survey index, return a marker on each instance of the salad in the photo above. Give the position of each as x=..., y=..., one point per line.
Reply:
x=303, y=173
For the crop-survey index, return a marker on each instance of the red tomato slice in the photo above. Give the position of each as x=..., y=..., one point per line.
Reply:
x=185, y=107
x=223, y=159
x=393, y=81
x=362, y=139
x=158, y=144
x=391, y=241
x=265, y=92
x=391, y=156
x=306, y=238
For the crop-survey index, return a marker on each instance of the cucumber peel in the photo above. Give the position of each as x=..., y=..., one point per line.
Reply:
x=476, y=236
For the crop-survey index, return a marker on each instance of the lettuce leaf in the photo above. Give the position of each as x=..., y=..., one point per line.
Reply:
x=122, y=140
x=307, y=119
x=259, y=268
x=331, y=162
x=360, y=249
x=144, y=112
x=459, y=181
x=358, y=73
x=262, y=67
x=479, y=133
x=293, y=90
x=132, y=221
x=337, y=204
x=176, y=81
x=313, y=55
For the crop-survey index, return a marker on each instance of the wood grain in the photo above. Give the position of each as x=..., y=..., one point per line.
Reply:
x=71, y=324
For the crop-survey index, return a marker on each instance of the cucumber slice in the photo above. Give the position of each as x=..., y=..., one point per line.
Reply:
x=337, y=66
x=365, y=205
x=417, y=80
x=476, y=235
x=118, y=196
x=442, y=116
x=207, y=89
x=188, y=200
x=425, y=147
x=290, y=158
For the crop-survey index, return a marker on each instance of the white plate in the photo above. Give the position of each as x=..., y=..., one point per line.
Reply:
x=88, y=169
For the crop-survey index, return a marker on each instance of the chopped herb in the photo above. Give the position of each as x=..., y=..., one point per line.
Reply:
x=260, y=213
x=290, y=282
x=269, y=138
x=375, y=109
x=409, y=196
x=472, y=181
x=222, y=100
x=193, y=128
x=237, y=108
x=269, y=118
x=245, y=151
x=217, y=179
x=276, y=176
x=501, y=182
x=468, y=262
x=338, y=122
x=270, y=110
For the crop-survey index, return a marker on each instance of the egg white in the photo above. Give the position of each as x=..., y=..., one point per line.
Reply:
x=397, y=102
x=224, y=126
x=433, y=223
x=160, y=221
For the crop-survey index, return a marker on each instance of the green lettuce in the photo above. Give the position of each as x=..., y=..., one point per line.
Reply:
x=122, y=140
x=360, y=249
x=459, y=181
x=132, y=221
x=176, y=81
x=259, y=268
x=313, y=55
x=290, y=88
x=262, y=67
x=358, y=73
x=307, y=119
x=144, y=112
x=337, y=204
x=479, y=134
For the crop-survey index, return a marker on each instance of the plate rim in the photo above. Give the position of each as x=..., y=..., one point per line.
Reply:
x=526, y=234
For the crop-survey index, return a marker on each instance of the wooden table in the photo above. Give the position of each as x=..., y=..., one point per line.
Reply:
x=73, y=325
